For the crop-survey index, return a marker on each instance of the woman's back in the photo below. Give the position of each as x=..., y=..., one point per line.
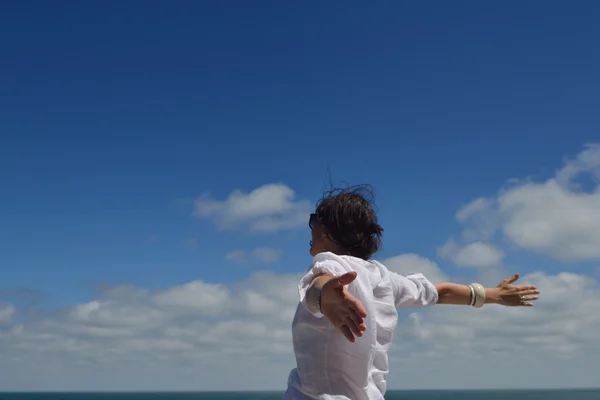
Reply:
x=328, y=365
x=344, y=356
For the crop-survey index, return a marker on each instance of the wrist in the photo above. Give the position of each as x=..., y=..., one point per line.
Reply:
x=316, y=292
x=492, y=295
x=478, y=295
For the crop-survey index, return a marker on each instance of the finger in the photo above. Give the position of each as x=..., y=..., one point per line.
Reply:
x=358, y=321
x=524, y=305
x=525, y=287
x=358, y=308
x=344, y=279
x=347, y=333
x=526, y=301
x=526, y=292
x=353, y=327
x=511, y=279
x=529, y=298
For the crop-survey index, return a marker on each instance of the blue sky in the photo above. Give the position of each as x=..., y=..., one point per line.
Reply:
x=116, y=116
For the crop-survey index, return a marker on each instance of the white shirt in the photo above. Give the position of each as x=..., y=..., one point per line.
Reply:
x=329, y=367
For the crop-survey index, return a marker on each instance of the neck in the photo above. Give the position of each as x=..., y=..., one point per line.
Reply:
x=340, y=251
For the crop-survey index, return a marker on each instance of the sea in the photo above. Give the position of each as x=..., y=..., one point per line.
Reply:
x=580, y=394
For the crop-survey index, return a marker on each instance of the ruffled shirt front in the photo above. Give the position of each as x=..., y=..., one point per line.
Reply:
x=329, y=367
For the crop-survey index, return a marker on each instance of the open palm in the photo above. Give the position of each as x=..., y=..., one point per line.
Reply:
x=343, y=310
x=515, y=295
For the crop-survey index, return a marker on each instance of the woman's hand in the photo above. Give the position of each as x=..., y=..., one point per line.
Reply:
x=343, y=310
x=507, y=294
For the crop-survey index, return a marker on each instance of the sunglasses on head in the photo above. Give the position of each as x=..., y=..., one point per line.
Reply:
x=312, y=221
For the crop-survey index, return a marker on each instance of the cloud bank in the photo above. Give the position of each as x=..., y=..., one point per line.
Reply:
x=200, y=335
x=206, y=336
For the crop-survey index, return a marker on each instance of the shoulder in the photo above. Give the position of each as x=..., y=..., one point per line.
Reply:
x=340, y=263
x=328, y=262
x=334, y=264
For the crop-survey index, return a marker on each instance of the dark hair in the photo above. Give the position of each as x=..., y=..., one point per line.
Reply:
x=350, y=220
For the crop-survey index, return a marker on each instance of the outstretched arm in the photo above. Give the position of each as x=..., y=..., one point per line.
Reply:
x=505, y=294
x=415, y=291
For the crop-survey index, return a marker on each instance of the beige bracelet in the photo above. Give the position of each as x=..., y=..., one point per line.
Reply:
x=479, y=291
x=472, y=300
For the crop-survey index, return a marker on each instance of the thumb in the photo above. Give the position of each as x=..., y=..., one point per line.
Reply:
x=344, y=279
x=512, y=279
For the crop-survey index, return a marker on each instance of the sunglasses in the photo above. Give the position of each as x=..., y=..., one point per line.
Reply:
x=312, y=221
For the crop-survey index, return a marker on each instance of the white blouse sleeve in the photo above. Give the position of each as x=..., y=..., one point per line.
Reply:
x=319, y=267
x=413, y=291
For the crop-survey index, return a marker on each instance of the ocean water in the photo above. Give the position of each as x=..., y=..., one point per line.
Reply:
x=583, y=394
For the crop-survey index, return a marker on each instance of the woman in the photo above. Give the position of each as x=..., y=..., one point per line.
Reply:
x=344, y=355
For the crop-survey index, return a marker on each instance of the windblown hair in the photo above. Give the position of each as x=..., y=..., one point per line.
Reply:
x=350, y=220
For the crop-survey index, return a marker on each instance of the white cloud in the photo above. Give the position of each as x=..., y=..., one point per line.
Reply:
x=6, y=313
x=551, y=219
x=476, y=254
x=546, y=346
x=406, y=264
x=262, y=255
x=559, y=217
x=196, y=296
x=269, y=208
x=473, y=208
x=587, y=160
x=187, y=336
x=197, y=336
x=480, y=222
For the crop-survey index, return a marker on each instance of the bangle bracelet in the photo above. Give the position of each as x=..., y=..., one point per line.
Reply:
x=319, y=302
x=479, y=295
x=472, y=299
